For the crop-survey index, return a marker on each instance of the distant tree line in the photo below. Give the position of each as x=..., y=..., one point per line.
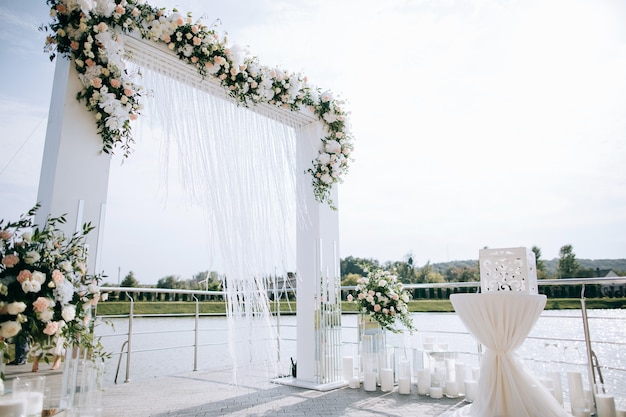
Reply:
x=352, y=268
x=567, y=266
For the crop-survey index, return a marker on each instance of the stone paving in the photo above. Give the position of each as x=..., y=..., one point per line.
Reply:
x=208, y=393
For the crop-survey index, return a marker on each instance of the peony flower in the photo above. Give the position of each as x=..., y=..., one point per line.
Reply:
x=51, y=328
x=9, y=329
x=41, y=304
x=57, y=276
x=10, y=260
x=24, y=275
x=16, y=308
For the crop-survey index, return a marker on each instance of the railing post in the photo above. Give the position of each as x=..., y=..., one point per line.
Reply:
x=592, y=376
x=130, y=334
x=196, y=331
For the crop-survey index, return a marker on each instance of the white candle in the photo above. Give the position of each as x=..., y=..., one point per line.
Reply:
x=428, y=346
x=452, y=389
x=460, y=376
x=423, y=381
x=450, y=369
x=386, y=379
x=348, y=368
x=576, y=393
x=605, y=405
x=556, y=383
x=475, y=374
x=620, y=412
x=355, y=383
x=369, y=381
x=436, y=392
x=581, y=413
x=404, y=385
x=12, y=406
x=470, y=390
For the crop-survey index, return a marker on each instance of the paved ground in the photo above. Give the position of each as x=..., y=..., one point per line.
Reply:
x=210, y=393
x=206, y=393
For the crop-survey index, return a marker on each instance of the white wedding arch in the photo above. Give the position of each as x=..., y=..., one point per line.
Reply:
x=233, y=99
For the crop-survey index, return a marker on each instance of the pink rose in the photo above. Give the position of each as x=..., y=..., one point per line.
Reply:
x=377, y=308
x=102, y=27
x=5, y=235
x=10, y=260
x=96, y=82
x=119, y=9
x=41, y=304
x=24, y=275
x=115, y=83
x=57, y=276
x=51, y=328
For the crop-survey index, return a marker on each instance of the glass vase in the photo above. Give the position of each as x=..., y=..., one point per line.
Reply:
x=372, y=345
x=81, y=386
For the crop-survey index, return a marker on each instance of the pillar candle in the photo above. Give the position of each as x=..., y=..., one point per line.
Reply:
x=436, y=392
x=348, y=368
x=581, y=413
x=556, y=383
x=620, y=412
x=605, y=405
x=450, y=369
x=369, y=381
x=576, y=393
x=423, y=381
x=452, y=389
x=404, y=386
x=386, y=379
x=470, y=390
x=475, y=374
x=460, y=376
x=355, y=383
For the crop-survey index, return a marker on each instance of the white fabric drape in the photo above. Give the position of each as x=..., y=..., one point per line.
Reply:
x=501, y=321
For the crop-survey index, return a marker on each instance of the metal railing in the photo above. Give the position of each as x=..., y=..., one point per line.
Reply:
x=594, y=367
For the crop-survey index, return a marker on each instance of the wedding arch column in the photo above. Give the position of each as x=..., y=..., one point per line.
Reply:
x=74, y=180
x=318, y=281
x=74, y=172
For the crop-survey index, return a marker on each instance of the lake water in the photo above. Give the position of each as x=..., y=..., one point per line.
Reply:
x=164, y=345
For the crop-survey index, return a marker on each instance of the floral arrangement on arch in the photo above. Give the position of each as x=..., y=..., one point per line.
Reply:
x=381, y=296
x=45, y=291
x=89, y=31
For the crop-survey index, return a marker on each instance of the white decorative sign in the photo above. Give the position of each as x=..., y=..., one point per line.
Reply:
x=508, y=269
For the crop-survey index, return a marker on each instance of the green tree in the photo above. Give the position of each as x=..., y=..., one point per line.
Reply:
x=540, y=264
x=350, y=280
x=171, y=282
x=129, y=280
x=352, y=265
x=568, y=266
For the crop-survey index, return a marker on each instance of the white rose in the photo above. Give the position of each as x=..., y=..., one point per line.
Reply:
x=332, y=146
x=35, y=286
x=68, y=313
x=9, y=329
x=93, y=288
x=324, y=158
x=46, y=315
x=66, y=266
x=31, y=257
x=16, y=308
x=326, y=179
x=27, y=236
x=382, y=283
x=38, y=276
x=27, y=286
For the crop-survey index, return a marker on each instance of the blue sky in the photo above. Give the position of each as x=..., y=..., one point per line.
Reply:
x=477, y=123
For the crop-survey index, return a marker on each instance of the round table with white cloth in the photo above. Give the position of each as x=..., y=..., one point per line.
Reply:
x=501, y=322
